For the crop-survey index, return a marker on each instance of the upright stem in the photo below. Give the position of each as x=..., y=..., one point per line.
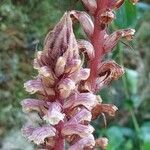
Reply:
x=97, y=41
x=60, y=142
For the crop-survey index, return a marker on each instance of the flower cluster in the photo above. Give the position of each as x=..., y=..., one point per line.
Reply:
x=66, y=86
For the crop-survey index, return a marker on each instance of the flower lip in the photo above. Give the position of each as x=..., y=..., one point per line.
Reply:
x=90, y=5
x=54, y=115
x=87, y=48
x=38, y=135
x=32, y=104
x=73, y=127
x=33, y=86
x=82, y=115
x=66, y=86
x=87, y=142
x=88, y=100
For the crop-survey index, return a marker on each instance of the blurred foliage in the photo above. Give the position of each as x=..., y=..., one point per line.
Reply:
x=24, y=24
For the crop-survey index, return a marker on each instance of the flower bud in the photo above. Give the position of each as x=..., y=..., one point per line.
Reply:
x=60, y=66
x=87, y=48
x=73, y=66
x=84, y=74
x=90, y=5
x=118, y=3
x=45, y=71
x=61, y=42
x=85, y=20
x=65, y=87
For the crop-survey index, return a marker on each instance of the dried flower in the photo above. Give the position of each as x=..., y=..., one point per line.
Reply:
x=67, y=86
x=107, y=16
x=102, y=143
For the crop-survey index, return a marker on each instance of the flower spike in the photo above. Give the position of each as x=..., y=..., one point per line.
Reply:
x=70, y=73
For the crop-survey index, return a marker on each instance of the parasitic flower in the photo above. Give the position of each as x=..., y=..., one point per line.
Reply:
x=67, y=86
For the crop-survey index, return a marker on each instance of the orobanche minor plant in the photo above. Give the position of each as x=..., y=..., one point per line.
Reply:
x=67, y=86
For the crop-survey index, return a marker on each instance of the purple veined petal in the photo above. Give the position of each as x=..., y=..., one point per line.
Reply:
x=90, y=5
x=77, y=129
x=49, y=91
x=83, y=115
x=47, y=75
x=33, y=86
x=46, y=72
x=86, y=142
x=85, y=20
x=65, y=87
x=73, y=66
x=111, y=40
x=86, y=47
x=32, y=104
x=84, y=74
x=38, y=135
x=60, y=66
x=88, y=100
x=54, y=115
x=40, y=60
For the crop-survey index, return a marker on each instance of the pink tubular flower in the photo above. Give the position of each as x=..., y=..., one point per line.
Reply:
x=67, y=90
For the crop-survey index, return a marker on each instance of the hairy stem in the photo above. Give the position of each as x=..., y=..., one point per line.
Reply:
x=97, y=41
x=60, y=142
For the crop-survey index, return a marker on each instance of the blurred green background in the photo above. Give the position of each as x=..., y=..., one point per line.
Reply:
x=23, y=26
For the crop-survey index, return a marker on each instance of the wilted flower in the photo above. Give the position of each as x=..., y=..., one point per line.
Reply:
x=102, y=143
x=67, y=86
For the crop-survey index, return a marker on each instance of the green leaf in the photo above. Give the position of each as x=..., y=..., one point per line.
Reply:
x=132, y=77
x=126, y=16
x=145, y=136
x=145, y=132
x=115, y=137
